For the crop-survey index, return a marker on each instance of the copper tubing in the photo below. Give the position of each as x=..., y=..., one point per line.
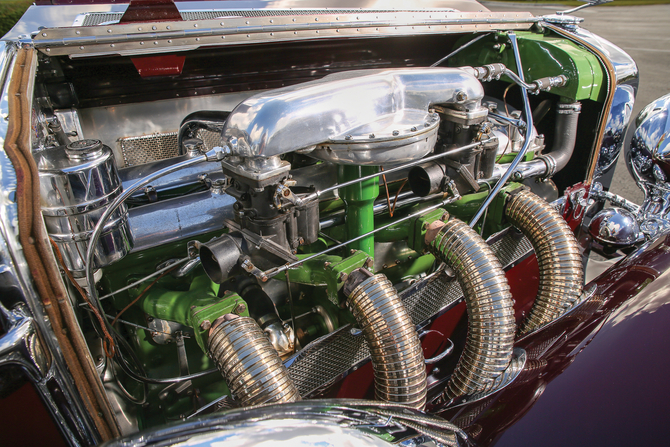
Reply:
x=395, y=349
x=250, y=365
x=491, y=324
x=558, y=256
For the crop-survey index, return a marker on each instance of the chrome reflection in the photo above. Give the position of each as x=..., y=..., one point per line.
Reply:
x=330, y=422
x=347, y=117
x=615, y=129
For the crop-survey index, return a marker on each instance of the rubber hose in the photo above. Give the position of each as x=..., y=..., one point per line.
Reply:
x=250, y=365
x=491, y=324
x=558, y=257
x=395, y=349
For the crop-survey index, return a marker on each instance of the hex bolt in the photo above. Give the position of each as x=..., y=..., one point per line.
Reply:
x=396, y=133
x=461, y=96
x=239, y=309
x=205, y=325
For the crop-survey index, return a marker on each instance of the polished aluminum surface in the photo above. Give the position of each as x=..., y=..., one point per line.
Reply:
x=357, y=113
x=395, y=349
x=77, y=183
x=491, y=326
x=179, y=218
x=191, y=176
x=249, y=363
x=615, y=227
x=558, y=257
x=148, y=119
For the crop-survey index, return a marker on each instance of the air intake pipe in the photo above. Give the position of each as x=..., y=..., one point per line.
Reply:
x=395, y=349
x=558, y=256
x=491, y=324
x=250, y=365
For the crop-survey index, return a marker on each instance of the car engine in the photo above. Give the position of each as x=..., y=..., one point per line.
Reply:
x=259, y=228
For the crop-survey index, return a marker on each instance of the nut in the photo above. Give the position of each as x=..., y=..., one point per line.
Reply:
x=239, y=309
x=205, y=325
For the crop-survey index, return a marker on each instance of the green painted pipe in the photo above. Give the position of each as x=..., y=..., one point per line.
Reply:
x=359, y=199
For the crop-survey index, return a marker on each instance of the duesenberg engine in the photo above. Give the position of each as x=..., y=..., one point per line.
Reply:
x=330, y=212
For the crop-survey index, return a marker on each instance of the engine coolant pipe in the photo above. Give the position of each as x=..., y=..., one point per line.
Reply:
x=359, y=199
x=558, y=257
x=491, y=325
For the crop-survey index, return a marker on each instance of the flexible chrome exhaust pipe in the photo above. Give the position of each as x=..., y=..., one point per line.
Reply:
x=491, y=324
x=558, y=256
x=249, y=363
x=395, y=349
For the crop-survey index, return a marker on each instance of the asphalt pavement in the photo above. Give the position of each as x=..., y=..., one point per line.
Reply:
x=641, y=31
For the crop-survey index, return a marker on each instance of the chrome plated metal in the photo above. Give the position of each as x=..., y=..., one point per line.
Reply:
x=528, y=115
x=281, y=338
x=249, y=363
x=337, y=354
x=558, y=257
x=175, y=36
x=16, y=279
x=21, y=346
x=585, y=296
x=615, y=132
x=320, y=423
x=586, y=5
x=650, y=144
x=365, y=117
x=215, y=154
x=515, y=368
x=77, y=184
x=648, y=161
x=615, y=228
x=395, y=349
x=491, y=325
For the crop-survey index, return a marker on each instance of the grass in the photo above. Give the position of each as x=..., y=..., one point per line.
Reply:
x=10, y=12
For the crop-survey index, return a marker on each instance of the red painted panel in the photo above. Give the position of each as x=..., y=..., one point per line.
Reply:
x=26, y=421
x=164, y=65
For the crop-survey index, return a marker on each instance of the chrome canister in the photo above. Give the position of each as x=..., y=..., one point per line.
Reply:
x=77, y=183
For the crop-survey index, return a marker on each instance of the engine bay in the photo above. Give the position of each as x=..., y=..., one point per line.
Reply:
x=305, y=219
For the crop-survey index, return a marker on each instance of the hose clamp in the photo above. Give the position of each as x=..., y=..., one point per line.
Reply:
x=550, y=162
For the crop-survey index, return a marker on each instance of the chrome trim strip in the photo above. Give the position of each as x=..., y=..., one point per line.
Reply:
x=57, y=386
x=180, y=36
